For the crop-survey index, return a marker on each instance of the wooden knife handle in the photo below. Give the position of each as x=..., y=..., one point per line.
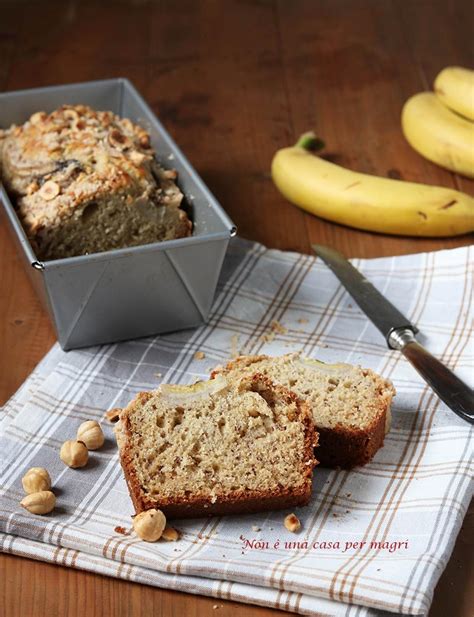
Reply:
x=450, y=389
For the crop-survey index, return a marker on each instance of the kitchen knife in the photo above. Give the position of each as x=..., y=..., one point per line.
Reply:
x=399, y=334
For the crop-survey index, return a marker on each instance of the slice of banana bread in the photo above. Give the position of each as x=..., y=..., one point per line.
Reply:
x=86, y=181
x=217, y=447
x=350, y=404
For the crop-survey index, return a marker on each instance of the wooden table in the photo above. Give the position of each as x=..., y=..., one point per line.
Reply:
x=232, y=81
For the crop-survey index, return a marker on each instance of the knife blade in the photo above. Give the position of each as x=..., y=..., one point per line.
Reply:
x=400, y=333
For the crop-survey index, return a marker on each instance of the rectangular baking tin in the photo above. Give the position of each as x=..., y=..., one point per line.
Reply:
x=132, y=292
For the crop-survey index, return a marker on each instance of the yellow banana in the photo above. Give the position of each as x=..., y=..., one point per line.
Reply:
x=368, y=202
x=454, y=87
x=439, y=134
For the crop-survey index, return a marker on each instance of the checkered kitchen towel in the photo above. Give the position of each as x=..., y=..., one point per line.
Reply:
x=374, y=539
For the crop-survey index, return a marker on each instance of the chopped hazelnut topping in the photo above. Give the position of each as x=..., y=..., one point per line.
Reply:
x=71, y=114
x=49, y=190
x=113, y=414
x=118, y=140
x=32, y=188
x=38, y=117
x=144, y=141
x=137, y=157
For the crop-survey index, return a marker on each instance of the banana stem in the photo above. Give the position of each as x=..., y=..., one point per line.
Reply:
x=310, y=142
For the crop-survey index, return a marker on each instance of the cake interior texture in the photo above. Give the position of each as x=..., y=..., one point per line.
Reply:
x=350, y=404
x=216, y=441
x=117, y=220
x=337, y=393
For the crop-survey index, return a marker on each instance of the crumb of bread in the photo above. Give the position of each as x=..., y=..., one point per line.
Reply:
x=234, y=346
x=199, y=355
x=277, y=327
x=121, y=530
x=339, y=395
x=302, y=320
x=267, y=338
x=255, y=528
x=292, y=523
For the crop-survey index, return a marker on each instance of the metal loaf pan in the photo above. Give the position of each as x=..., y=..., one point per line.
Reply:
x=134, y=292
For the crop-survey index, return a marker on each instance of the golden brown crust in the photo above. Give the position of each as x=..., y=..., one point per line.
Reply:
x=340, y=446
x=237, y=504
x=64, y=165
x=197, y=505
x=237, y=363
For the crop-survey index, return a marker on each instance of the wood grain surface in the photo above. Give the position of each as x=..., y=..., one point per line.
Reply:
x=233, y=81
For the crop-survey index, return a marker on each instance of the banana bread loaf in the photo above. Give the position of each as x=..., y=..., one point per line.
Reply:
x=217, y=447
x=86, y=181
x=350, y=404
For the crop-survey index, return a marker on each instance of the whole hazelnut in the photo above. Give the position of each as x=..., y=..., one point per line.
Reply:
x=90, y=433
x=149, y=525
x=41, y=502
x=74, y=454
x=36, y=479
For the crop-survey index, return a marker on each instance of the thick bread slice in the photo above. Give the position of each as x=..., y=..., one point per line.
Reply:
x=350, y=404
x=217, y=447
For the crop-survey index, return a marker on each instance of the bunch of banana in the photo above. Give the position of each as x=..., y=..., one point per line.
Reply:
x=440, y=125
x=454, y=87
x=368, y=202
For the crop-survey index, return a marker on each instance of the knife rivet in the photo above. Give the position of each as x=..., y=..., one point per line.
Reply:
x=397, y=339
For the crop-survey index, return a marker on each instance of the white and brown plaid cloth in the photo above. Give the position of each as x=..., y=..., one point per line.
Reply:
x=374, y=539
